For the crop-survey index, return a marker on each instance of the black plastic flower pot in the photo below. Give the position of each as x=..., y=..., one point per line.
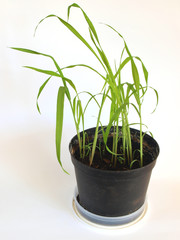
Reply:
x=113, y=193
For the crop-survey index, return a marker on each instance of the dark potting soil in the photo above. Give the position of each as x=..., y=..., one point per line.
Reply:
x=103, y=159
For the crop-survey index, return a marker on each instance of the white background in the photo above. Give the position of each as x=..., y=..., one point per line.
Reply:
x=35, y=195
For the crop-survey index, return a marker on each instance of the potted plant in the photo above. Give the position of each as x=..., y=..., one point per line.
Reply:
x=113, y=163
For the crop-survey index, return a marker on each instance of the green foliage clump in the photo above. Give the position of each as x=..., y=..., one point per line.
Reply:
x=122, y=96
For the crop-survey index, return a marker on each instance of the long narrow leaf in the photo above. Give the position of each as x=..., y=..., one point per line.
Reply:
x=144, y=70
x=122, y=65
x=70, y=83
x=73, y=30
x=48, y=72
x=59, y=123
x=101, y=53
x=113, y=29
x=79, y=111
x=86, y=66
x=135, y=75
x=25, y=50
x=133, y=65
x=157, y=98
x=136, y=109
x=74, y=106
x=39, y=93
x=92, y=97
x=90, y=24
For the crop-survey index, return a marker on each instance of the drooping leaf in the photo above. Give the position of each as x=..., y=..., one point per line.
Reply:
x=134, y=161
x=85, y=66
x=144, y=70
x=39, y=93
x=74, y=106
x=59, y=123
x=135, y=75
x=157, y=98
x=92, y=97
x=73, y=30
x=122, y=66
x=79, y=111
x=26, y=50
x=48, y=72
x=102, y=55
x=70, y=82
x=113, y=29
x=148, y=132
x=132, y=104
x=90, y=24
x=131, y=124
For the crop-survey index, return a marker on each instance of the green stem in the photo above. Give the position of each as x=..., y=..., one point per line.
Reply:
x=116, y=142
x=97, y=128
x=141, y=138
x=128, y=140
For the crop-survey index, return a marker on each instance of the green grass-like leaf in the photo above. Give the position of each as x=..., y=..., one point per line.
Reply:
x=39, y=93
x=73, y=30
x=85, y=66
x=48, y=72
x=91, y=26
x=59, y=123
x=114, y=117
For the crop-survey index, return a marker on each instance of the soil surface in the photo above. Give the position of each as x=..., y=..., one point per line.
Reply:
x=103, y=159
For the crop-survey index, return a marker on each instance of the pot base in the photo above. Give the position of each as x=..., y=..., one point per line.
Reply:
x=107, y=222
